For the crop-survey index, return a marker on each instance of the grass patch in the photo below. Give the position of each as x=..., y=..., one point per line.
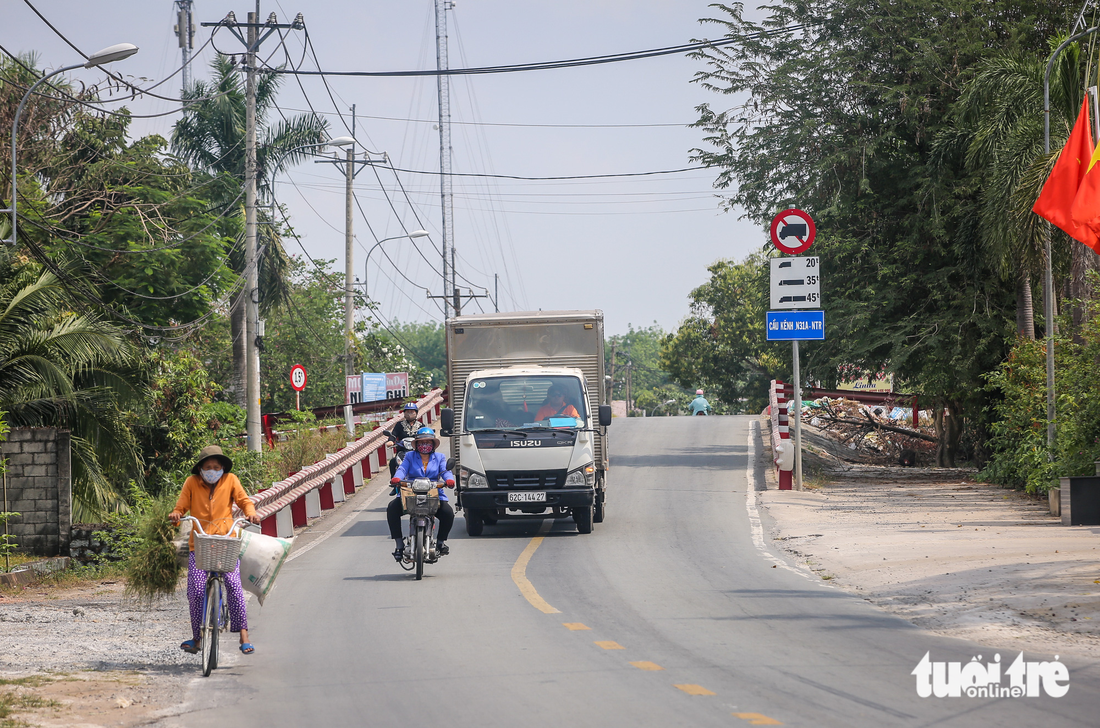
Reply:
x=16, y=560
x=11, y=703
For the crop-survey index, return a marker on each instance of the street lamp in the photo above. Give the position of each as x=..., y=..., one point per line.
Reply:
x=107, y=55
x=662, y=404
x=366, y=260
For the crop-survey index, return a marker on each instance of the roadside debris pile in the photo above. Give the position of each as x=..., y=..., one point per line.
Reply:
x=878, y=433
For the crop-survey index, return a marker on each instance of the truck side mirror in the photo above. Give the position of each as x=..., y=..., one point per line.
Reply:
x=446, y=422
x=605, y=415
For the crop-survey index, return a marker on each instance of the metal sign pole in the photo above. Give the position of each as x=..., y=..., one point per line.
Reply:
x=797, y=415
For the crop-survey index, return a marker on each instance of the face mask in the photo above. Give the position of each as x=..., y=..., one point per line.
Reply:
x=424, y=448
x=212, y=476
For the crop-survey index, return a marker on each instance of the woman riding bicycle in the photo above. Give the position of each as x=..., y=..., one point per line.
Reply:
x=423, y=462
x=209, y=494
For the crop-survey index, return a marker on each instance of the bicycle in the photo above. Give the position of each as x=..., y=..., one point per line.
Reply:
x=217, y=556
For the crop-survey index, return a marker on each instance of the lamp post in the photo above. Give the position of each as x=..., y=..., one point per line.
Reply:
x=107, y=55
x=366, y=260
x=662, y=404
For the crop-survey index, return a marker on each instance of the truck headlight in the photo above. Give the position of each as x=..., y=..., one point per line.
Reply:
x=470, y=479
x=581, y=477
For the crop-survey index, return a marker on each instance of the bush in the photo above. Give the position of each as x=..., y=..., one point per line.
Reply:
x=1021, y=457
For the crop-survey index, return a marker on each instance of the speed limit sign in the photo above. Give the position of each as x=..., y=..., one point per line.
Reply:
x=298, y=377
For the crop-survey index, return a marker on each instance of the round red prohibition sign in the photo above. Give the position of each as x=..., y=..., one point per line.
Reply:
x=298, y=377
x=793, y=231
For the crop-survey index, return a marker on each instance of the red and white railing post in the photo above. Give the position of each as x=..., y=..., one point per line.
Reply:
x=781, y=437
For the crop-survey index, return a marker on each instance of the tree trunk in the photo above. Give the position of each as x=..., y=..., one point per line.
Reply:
x=1083, y=260
x=948, y=421
x=1025, y=310
x=237, y=329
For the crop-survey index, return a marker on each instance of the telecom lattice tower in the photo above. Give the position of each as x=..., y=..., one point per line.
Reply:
x=443, y=85
x=185, y=31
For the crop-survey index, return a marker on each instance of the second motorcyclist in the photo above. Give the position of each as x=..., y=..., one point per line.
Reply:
x=424, y=462
x=404, y=429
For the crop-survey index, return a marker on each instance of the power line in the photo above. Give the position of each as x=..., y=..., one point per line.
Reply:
x=571, y=63
x=513, y=125
x=553, y=179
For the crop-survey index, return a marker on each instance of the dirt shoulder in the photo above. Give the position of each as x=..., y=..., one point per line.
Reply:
x=951, y=555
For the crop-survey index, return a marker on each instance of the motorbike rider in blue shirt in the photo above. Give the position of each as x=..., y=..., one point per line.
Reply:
x=699, y=405
x=423, y=462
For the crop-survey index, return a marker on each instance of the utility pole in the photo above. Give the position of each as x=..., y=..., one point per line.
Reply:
x=348, y=167
x=458, y=295
x=496, y=293
x=252, y=41
x=611, y=394
x=349, y=252
x=252, y=263
x=185, y=31
x=629, y=371
x=443, y=88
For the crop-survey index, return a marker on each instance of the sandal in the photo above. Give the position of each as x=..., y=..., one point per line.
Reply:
x=190, y=646
x=247, y=648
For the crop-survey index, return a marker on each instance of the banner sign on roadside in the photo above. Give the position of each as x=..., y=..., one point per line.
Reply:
x=795, y=325
x=374, y=387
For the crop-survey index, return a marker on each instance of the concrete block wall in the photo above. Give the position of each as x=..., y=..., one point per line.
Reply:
x=39, y=488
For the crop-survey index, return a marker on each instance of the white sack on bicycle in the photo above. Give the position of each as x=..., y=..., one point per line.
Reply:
x=261, y=558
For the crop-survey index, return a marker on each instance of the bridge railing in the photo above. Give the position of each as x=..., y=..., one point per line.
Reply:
x=292, y=502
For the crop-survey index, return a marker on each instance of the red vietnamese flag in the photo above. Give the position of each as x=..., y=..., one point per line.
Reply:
x=1061, y=188
x=1085, y=211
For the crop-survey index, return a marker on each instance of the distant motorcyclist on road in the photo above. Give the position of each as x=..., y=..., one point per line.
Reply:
x=424, y=462
x=699, y=405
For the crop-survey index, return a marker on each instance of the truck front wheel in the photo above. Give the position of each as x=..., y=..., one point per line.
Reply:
x=475, y=524
x=583, y=518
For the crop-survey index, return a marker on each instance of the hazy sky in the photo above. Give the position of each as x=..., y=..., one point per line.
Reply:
x=634, y=247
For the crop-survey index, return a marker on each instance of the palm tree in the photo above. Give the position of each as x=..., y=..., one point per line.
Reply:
x=69, y=370
x=211, y=138
x=999, y=133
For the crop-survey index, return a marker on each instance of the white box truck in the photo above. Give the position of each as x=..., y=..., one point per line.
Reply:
x=528, y=416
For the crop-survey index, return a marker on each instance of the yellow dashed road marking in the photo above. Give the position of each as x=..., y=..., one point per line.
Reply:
x=519, y=572
x=644, y=665
x=574, y=626
x=757, y=719
x=609, y=645
x=694, y=689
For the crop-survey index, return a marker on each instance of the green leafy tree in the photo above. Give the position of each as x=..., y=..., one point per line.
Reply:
x=60, y=368
x=211, y=138
x=840, y=120
x=427, y=344
x=722, y=346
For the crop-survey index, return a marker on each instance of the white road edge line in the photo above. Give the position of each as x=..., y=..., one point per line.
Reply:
x=339, y=527
x=754, y=512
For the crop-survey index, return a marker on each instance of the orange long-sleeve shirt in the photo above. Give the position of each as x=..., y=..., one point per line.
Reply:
x=213, y=505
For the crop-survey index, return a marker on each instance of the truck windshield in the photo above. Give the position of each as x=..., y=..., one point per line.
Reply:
x=524, y=402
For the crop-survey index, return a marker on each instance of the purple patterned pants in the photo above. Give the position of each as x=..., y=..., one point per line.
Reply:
x=234, y=595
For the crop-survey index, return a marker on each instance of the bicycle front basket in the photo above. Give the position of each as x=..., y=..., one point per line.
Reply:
x=422, y=505
x=217, y=553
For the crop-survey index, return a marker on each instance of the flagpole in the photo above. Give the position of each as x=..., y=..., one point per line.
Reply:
x=1048, y=277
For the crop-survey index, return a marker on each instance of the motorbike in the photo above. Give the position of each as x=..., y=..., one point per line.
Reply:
x=420, y=499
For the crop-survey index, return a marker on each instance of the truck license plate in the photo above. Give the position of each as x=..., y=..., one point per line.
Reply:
x=527, y=497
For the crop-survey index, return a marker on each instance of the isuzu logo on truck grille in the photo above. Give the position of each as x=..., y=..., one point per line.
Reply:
x=526, y=443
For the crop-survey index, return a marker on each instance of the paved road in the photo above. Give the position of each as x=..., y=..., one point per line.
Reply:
x=667, y=615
